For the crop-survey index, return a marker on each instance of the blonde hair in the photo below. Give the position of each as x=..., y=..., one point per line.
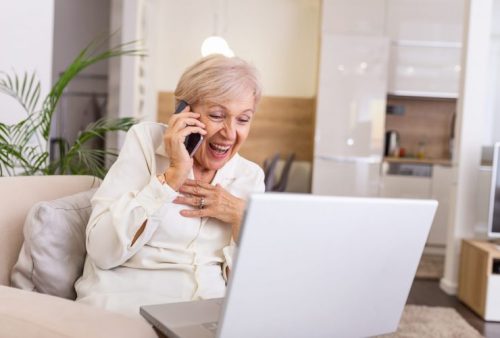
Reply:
x=217, y=78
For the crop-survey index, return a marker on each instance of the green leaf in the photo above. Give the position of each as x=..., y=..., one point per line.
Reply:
x=91, y=161
x=87, y=57
x=24, y=145
x=24, y=91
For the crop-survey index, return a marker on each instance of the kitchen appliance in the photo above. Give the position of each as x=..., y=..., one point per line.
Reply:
x=350, y=115
x=392, y=142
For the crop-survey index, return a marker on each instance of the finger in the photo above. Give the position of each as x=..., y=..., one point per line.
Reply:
x=192, y=201
x=195, y=190
x=187, y=121
x=195, y=213
x=182, y=200
x=192, y=130
x=202, y=184
x=183, y=122
x=190, y=114
x=187, y=114
x=175, y=117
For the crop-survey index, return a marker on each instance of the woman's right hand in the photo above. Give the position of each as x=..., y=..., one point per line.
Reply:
x=179, y=127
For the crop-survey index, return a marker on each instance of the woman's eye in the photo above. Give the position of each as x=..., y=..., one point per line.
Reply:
x=216, y=116
x=244, y=119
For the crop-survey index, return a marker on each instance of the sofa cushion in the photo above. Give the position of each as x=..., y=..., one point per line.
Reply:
x=53, y=251
x=28, y=314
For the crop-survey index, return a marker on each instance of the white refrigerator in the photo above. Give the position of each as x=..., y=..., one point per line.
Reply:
x=350, y=115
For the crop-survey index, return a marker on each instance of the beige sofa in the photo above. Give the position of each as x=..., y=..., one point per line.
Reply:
x=31, y=314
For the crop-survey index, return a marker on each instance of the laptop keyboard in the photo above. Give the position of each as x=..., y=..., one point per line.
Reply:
x=212, y=327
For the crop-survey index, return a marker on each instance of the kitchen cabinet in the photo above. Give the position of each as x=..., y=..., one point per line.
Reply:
x=370, y=48
x=350, y=114
x=424, y=70
x=425, y=20
x=442, y=180
x=346, y=177
x=425, y=51
x=399, y=186
x=357, y=17
x=425, y=37
x=437, y=186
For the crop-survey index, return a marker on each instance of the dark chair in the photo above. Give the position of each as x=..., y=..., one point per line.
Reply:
x=285, y=173
x=269, y=171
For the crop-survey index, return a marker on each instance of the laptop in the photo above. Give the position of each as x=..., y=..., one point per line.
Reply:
x=312, y=266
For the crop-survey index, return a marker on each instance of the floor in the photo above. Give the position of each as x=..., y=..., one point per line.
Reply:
x=427, y=292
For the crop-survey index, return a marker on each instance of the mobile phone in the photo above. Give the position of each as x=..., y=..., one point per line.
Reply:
x=192, y=141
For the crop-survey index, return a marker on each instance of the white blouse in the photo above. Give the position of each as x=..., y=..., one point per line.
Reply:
x=176, y=258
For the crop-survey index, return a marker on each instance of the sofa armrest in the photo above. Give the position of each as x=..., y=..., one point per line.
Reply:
x=19, y=194
x=30, y=314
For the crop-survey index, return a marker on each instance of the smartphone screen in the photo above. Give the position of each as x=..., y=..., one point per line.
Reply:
x=192, y=141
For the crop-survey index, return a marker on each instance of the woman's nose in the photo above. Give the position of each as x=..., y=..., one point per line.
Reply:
x=229, y=130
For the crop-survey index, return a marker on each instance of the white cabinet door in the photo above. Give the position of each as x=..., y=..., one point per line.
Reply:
x=425, y=20
x=398, y=186
x=426, y=38
x=361, y=17
x=419, y=70
x=350, y=113
x=442, y=180
x=341, y=178
x=437, y=187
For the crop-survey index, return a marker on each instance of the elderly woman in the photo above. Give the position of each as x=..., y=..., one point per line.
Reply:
x=163, y=224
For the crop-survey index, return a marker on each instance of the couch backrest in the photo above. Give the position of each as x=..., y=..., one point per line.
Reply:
x=17, y=196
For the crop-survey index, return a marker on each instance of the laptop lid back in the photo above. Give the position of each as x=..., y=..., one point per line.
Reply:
x=322, y=266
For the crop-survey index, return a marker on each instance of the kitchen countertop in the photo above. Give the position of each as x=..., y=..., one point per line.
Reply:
x=413, y=160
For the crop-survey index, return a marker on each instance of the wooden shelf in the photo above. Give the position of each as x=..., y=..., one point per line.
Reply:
x=478, y=284
x=412, y=160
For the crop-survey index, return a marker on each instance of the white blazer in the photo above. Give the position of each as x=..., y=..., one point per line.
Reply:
x=176, y=258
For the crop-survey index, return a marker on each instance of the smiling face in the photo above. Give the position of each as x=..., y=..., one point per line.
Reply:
x=227, y=125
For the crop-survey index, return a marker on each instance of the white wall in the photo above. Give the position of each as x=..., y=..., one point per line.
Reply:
x=26, y=37
x=471, y=108
x=279, y=37
x=128, y=21
x=492, y=121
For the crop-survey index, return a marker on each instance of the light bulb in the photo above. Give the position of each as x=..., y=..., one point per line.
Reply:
x=215, y=45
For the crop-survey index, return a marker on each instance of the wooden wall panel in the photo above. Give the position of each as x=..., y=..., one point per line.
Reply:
x=281, y=124
x=166, y=103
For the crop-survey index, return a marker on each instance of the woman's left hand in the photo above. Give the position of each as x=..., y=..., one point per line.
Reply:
x=212, y=201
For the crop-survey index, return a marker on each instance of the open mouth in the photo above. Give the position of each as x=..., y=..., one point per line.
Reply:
x=219, y=148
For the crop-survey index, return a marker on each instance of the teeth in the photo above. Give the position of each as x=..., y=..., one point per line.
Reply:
x=219, y=148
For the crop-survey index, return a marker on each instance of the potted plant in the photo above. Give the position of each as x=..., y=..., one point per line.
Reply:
x=24, y=146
